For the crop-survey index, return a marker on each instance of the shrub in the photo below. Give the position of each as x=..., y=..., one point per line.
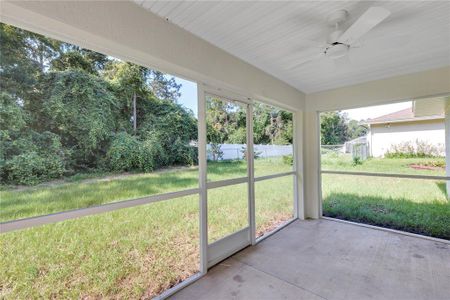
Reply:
x=216, y=151
x=33, y=158
x=356, y=161
x=256, y=154
x=124, y=153
x=417, y=149
x=31, y=168
x=288, y=159
x=183, y=153
x=152, y=154
x=127, y=153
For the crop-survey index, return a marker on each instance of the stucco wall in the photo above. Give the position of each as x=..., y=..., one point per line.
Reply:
x=383, y=136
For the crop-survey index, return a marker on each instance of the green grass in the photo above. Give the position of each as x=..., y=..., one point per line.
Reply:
x=129, y=253
x=413, y=205
x=77, y=193
x=139, y=252
x=333, y=161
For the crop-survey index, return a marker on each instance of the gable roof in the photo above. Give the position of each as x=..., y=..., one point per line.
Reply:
x=404, y=115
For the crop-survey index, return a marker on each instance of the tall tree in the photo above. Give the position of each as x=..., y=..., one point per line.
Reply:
x=356, y=129
x=79, y=108
x=333, y=128
x=164, y=87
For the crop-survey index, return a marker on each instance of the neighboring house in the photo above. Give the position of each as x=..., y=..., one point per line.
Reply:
x=405, y=126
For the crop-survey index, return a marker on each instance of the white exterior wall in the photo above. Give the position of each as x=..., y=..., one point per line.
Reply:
x=383, y=136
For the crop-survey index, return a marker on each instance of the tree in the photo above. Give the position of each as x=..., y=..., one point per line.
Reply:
x=356, y=129
x=163, y=87
x=333, y=128
x=79, y=107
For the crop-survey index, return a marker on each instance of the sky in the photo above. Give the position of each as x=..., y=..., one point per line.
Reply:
x=188, y=92
x=188, y=98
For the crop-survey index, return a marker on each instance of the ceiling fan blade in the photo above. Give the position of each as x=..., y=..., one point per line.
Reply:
x=343, y=63
x=371, y=18
x=300, y=63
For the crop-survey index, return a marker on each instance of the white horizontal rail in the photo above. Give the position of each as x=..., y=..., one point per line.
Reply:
x=226, y=182
x=274, y=176
x=393, y=175
x=82, y=212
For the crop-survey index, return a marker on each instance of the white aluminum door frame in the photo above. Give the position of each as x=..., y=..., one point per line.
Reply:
x=213, y=253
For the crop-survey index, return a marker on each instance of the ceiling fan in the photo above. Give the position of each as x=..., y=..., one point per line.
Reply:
x=339, y=42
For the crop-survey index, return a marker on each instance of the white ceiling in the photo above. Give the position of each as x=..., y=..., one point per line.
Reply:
x=275, y=35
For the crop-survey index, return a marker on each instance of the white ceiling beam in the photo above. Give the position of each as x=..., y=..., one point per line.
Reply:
x=395, y=89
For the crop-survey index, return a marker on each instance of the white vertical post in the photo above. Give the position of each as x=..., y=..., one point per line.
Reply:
x=251, y=175
x=299, y=207
x=447, y=147
x=312, y=176
x=202, y=164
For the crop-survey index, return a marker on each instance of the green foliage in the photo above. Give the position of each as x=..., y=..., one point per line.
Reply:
x=31, y=168
x=79, y=108
x=216, y=151
x=336, y=128
x=418, y=149
x=33, y=158
x=288, y=159
x=183, y=154
x=12, y=119
x=356, y=160
x=124, y=153
x=356, y=129
x=333, y=128
x=66, y=110
x=153, y=154
x=73, y=60
x=436, y=164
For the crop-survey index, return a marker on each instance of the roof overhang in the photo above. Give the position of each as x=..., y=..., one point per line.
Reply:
x=431, y=106
x=417, y=119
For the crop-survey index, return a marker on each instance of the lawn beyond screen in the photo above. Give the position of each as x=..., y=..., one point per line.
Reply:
x=80, y=129
x=404, y=138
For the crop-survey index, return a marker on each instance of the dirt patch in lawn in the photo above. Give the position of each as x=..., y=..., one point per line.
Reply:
x=426, y=167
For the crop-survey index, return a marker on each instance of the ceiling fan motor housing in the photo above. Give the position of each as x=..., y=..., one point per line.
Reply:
x=336, y=50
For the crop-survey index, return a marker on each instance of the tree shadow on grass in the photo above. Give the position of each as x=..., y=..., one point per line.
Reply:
x=428, y=218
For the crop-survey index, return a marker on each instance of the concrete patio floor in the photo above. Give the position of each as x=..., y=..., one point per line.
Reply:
x=325, y=259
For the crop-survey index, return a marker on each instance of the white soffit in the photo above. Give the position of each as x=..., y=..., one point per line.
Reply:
x=275, y=35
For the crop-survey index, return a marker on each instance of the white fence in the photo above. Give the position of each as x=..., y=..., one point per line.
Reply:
x=236, y=151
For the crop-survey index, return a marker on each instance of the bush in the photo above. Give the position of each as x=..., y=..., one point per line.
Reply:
x=152, y=154
x=31, y=168
x=123, y=154
x=32, y=158
x=418, y=149
x=356, y=161
x=288, y=159
x=183, y=153
x=127, y=153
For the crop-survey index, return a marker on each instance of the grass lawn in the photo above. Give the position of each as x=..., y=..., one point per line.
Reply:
x=139, y=252
x=129, y=253
x=413, y=205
